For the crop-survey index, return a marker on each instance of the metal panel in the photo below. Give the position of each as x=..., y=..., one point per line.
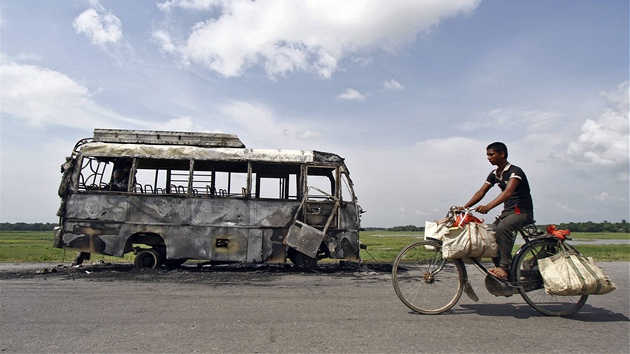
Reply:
x=304, y=238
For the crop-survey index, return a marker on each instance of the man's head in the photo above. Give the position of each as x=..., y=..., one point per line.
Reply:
x=499, y=148
x=497, y=153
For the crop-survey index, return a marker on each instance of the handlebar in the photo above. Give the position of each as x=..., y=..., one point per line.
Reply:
x=454, y=210
x=455, y=215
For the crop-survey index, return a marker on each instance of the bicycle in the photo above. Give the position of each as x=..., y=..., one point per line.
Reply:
x=429, y=284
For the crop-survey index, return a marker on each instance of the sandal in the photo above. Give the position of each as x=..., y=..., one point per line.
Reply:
x=498, y=273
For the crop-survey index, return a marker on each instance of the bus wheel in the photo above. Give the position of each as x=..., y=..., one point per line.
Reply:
x=302, y=261
x=148, y=259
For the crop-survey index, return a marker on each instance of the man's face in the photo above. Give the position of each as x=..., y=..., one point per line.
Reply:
x=494, y=157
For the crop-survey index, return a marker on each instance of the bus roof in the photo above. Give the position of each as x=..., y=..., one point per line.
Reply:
x=100, y=149
x=153, y=137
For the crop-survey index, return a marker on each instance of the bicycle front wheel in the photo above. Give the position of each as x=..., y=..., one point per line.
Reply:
x=426, y=282
x=530, y=281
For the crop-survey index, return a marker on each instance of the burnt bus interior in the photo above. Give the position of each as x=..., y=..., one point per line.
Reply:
x=208, y=178
x=227, y=203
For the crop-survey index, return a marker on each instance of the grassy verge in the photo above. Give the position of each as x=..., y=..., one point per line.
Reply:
x=36, y=246
x=383, y=246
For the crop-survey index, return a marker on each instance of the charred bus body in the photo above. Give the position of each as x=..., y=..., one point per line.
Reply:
x=174, y=196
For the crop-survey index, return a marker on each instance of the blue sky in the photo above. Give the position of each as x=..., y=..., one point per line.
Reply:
x=409, y=92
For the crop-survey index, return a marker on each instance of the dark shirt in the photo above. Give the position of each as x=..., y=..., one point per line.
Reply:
x=521, y=197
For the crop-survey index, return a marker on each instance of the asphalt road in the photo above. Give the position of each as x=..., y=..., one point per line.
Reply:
x=105, y=308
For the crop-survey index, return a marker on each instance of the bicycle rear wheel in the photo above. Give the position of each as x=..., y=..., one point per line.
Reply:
x=426, y=282
x=531, y=284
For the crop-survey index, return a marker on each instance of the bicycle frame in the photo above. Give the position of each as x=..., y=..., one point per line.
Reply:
x=512, y=283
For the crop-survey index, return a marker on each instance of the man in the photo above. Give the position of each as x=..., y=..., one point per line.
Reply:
x=518, y=208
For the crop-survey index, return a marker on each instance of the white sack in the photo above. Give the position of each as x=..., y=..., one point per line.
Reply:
x=571, y=274
x=473, y=241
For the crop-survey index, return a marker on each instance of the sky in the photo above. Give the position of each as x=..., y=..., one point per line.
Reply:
x=410, y=93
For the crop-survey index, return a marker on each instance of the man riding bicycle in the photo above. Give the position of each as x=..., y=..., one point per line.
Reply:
x=518, y=208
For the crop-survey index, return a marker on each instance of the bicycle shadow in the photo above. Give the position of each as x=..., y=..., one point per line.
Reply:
x=587, y=313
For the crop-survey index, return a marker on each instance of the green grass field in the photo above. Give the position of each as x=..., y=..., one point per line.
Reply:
x=382, y=246
x=36, y=246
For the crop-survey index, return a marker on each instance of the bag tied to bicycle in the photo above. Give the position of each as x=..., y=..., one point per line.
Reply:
x=436, y=230
x=472, y=241
x=568, y=273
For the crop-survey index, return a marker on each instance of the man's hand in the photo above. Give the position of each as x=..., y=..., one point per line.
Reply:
x=483, y=209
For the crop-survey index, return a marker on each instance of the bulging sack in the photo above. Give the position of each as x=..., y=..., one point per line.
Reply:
x=473, y=241
x=436, y=230
x=572, y=274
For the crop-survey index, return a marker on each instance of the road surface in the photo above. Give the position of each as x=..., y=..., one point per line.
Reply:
x=113, y=308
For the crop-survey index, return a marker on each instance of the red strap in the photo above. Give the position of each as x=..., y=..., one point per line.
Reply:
x=461, y=220
x=561, y=234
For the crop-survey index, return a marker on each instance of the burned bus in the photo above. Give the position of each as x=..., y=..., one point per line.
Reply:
x=170, y=197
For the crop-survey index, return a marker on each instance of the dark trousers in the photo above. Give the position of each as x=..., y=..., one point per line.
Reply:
x=506, y=226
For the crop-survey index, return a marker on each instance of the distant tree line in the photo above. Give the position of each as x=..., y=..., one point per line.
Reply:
x=22, y=226
x=588, y=226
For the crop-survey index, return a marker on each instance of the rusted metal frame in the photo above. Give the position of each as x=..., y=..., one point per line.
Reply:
x=191, y=170
x=302, y=191
x=155, y=180
x=76, y=174
x=335, y=209
x=248, y=190
x=168, y=181
x=353, y=196
x=339, y=195
x=77, y=147
x=131, y=185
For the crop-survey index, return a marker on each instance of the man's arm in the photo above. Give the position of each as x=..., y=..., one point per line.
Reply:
x=507, y=192
x=478, y=196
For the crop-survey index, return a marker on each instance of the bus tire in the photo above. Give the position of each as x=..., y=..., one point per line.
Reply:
x=148, y=259
x=302, y=261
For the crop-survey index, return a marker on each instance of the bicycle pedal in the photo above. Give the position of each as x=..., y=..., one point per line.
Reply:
x=470, y=292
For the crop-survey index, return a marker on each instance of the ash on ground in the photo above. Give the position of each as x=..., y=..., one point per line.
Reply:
x=257, y=274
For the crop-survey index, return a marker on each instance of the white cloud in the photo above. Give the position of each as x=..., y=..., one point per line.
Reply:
x=308, y=134
x=604, y=140
x=533, y=121
x=259, y=124
x=182, y=124
x=565, y=208
x=351, y=95
x=287, y=36
x=605, y=196
x=43, y=97
x=189, y=4
x=100, y=26
x=393, y=85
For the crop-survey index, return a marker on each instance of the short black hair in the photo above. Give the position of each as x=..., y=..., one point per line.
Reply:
x=498, y=147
